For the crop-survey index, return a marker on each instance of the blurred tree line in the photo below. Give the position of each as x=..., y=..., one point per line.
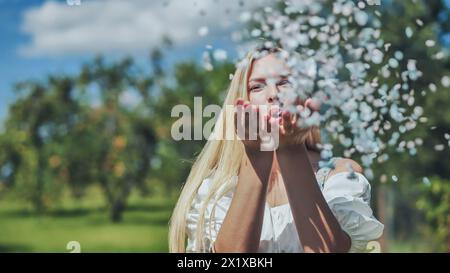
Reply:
x=422, y=193
x=70, y=132
x=109, y=125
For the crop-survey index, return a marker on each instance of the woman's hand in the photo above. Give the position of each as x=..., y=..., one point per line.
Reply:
x=290, y=131
x=247, y=120
x=254, y=125
x=249, y=124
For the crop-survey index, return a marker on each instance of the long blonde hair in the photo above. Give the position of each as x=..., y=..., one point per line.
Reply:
x=220, y=160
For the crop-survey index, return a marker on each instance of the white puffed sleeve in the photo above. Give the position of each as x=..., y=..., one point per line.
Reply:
x=214, y=215
x=349, y=200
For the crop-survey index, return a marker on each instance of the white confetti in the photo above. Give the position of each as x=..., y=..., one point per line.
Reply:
x=256, y=32
x=445, y=81
x=439, y=147
x=203, y=31
x=408, y=32
x=220, y=55
x=426, y=181
x=206, y=61
x=245, y=16
x=332, y=55
x=377, y=56
x=432, y=87
x=361, y=18
x=430, y=43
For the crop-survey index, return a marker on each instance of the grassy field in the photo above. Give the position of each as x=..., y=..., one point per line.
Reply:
x=143, y=229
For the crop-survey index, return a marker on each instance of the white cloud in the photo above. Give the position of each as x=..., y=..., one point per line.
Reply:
x=101, y=26
x=130, y=99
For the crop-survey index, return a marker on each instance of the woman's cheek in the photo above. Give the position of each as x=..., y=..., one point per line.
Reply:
x=258, y=98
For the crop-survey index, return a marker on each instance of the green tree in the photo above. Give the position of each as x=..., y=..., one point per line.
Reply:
x=190, y=80
x=36, y=123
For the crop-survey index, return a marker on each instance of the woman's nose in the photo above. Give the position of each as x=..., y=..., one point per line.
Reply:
x=273, y=100
x=272, y=94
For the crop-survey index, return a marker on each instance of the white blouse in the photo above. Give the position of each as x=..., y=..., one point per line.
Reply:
x=347, y=196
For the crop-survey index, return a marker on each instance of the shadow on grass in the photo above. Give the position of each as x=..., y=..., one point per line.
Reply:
x=166, y=206
x=136, y=214
x=163, y=221
x=60, y=213
x=81, y=212
x=14, y=248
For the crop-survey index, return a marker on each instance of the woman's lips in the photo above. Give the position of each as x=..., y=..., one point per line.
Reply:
x=275, y=111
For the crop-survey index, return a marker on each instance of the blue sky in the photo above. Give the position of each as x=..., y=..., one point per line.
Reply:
x=13, y=66
x=40, y=37
x=35, y=34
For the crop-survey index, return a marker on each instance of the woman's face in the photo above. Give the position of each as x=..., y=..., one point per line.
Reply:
x=269, y=77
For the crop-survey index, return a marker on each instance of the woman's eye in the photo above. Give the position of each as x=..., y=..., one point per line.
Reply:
x=284, y=82
x=256, y=88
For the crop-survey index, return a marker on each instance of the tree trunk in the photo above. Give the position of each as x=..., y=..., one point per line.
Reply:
x=117, y=209
x=448, y=235
x=38, y=193
x=382, y=215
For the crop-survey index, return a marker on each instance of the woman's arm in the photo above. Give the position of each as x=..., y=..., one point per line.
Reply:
x=318, y=229
x=241, y=228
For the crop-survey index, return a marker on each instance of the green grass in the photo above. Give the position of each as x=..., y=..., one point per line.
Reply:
x=143, y=229
x=417, y=245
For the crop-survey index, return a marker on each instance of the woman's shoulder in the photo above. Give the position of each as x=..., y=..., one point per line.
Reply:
x=346, y=179
x=335, y=166
x=345, y=165
x=207, y=184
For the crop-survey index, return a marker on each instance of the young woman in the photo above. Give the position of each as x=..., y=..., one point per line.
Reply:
x=238, y=198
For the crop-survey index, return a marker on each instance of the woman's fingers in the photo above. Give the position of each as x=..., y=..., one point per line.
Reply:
x=287, y=125
x=297, y=116
x=239, y=120
x=313, y=104
x=246, y=120
x=273, y=123
x=252, y=121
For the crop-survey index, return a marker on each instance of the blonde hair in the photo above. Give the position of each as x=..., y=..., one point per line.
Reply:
x=220, y=160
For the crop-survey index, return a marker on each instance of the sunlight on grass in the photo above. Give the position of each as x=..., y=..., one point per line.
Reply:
x=143, y=229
